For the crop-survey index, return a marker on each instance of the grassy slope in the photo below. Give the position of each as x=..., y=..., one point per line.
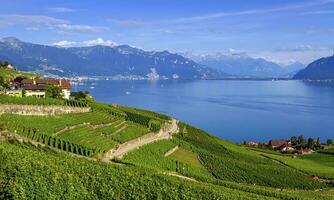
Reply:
x=187, y=157
x=12, y=74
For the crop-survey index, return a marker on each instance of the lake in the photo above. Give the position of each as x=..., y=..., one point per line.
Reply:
x=235, y=110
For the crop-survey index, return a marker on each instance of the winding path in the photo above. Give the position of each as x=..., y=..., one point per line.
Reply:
x=165, y=133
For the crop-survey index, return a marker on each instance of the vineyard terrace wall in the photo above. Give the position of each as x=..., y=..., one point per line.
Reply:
x=40, y=110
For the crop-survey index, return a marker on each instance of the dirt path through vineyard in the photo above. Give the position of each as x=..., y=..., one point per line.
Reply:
x=165, y=133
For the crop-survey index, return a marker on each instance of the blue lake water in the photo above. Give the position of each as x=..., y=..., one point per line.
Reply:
x=231, y=109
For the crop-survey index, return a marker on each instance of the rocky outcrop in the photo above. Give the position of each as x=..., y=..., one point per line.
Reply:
x=40, y=110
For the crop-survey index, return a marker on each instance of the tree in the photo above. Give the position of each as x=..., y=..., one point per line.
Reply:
x=294, y=140
x=24, y=93
x=82, y=96
x=301, y=141
x=53, y=91
x=2, y=81
x=310, y=143
x=79, y=95
x=329, y=142
x=4, y=84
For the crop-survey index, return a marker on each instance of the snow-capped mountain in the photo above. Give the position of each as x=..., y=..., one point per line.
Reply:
x=101, y=61
x=242, y=65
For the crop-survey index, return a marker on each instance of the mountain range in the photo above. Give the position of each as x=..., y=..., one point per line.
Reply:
x=242, y=65
x=135, y=63
x=100, y=60
x=320, y=69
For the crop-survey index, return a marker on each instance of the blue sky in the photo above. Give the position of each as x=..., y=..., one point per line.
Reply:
x=281, y=31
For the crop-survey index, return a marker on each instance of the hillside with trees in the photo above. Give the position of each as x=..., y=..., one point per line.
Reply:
x=8, y=73
x=320, y=69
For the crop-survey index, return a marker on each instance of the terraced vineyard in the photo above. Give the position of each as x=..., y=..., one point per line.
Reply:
x=71, y=178
x=190, y=164
x=208, y=158
x=4, y=99
x=86, y=134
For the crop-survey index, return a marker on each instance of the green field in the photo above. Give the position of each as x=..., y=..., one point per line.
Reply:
x=316, y=164
x=328, y=151
x=186, y=156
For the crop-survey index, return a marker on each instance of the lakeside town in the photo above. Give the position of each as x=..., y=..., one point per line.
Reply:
x=294, y=145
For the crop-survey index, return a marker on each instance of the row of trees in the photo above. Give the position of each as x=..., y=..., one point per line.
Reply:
x=35, y=135
x=107, y=109
x=301, y=142
x=137, y=118
x=75, y=103
x=152, y=124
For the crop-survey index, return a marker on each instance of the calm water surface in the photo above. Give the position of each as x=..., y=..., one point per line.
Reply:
x=233, y=110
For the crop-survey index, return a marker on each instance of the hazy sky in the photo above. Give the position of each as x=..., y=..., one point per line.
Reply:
x=280, y=30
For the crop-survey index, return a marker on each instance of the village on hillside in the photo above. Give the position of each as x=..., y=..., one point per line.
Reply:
x=23, y=85
x=294, y=145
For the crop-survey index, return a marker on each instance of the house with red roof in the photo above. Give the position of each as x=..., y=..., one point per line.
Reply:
x=34, y=87
x=279, y=144
x=37, y=87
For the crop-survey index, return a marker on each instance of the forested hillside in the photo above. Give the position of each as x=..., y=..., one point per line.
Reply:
x=320, y=69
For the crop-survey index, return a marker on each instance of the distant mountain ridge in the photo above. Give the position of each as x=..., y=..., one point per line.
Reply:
x=242, y=65
x=320, y=69
x=102, y=61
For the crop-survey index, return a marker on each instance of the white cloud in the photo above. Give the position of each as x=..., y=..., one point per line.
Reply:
x=287, y=7
x=74, y=28
x=36, y=22
x=127, y=22
x=303, y=48
x=285, y=57
x=98, y=41
x=168, y=31
x=318, y=12
x=32, y=28
x=30, y=19
x=63, y=10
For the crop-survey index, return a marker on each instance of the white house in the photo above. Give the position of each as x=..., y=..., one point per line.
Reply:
x=38, y=87
x=64, y=85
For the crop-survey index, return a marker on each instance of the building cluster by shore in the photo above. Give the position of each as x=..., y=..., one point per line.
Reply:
x=295, y=145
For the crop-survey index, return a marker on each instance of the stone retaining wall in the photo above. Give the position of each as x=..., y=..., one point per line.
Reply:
x=40, y=110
